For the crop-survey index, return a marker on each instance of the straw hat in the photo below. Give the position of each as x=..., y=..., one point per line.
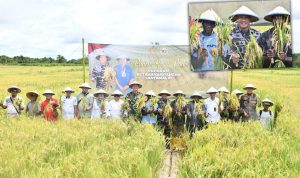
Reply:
x=48, y=92
x=223, y=89
x=150, y=93
x=237, y=92
x=211, y=90
x=97, y=53
x=135, y=83
x=249, y=85
x=244, y=11
x=209, y=15
x=101, y=92
x=279, y=10
x=85, y=85
x=117, y=93
x=123, y=57
x=196, y=94
x=28, y=94
x=164, y=92
x=69, y=89
x=267, y=102
x=14, y=87
x=178, y=92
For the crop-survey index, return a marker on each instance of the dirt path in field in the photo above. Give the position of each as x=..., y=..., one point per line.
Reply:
x=169, y=168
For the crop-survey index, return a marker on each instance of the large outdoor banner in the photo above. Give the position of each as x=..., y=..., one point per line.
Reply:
x=156, y=67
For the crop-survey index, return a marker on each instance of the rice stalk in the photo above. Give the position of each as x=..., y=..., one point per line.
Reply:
x=153, y=101
x=140, y=103
x=124, y=107
x=180, y=104
x=253, y=58
x=109, y=77
x=168, y=111
x=194, y=34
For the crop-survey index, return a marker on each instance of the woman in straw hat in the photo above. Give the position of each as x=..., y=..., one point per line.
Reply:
x=148, y=112
x=243, y=17
x=266, y=116
x=49, y=106
x=249, y=103
x=162, y=122
x=194, y=113
x=98, y=70
x=132, y=97
x=124, y=74
x=69, y=104
x=13, y=103
x=278, y=16
x=99, y=104
x=33, y=107
x=211, y=106
x=114, y=106
x=84, y=101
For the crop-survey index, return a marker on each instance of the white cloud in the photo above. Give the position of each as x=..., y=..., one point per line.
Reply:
x=39, y=28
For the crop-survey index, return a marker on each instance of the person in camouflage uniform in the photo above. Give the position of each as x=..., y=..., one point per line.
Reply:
x=178, y=121
x=248, y=103
x=162, y=122
x=266, y=41
x=98, y=71
x=132, y=98
x=240, y=36
x=194, y=118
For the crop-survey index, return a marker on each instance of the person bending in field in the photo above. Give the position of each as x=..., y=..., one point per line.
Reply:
x=33, y=107
x=266, y=116
x=13, y=103
x=49, y=106
x=69, y=105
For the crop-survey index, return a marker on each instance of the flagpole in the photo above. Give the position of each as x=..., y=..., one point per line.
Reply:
x=83, y=63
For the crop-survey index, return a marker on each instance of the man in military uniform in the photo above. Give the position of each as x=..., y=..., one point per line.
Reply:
x=195, y=115
x=241, y=35
x=178, y=120
x=248, y=103
x=132, y=98
x=278, y=15
x=162, y=122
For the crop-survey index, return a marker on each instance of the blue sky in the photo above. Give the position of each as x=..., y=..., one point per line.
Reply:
x=39, y=28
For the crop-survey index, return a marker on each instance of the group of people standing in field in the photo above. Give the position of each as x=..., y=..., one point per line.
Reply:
x=172, y=117
x=233, y=54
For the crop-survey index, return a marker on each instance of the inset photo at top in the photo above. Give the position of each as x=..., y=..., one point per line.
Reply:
x=240, y=35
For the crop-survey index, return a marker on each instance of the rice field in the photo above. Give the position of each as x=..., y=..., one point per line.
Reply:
x=105, y=148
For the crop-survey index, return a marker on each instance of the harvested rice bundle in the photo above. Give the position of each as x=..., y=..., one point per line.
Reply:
x=124, y=107
x=140, y=103
x=168, y=111
x=277, y=109
x=109, y=77
x=153, y=101
x=254, y=56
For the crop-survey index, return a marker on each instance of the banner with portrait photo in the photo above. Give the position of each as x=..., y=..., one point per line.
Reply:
x=156, y=67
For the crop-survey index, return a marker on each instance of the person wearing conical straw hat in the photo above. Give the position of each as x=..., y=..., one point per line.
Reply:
x=195, y=113
x=99, y=105
x=33, y=107
x=266, y=116
x=148, y=112
x=279, y=17
x=114, y=106
x=162, y=122
x=237, y=92
x=85, y=101
x=14, y=103
x=132, y=98
x=248, y=103
x=124, y=74
x=223, y=92
x=49, y=106
x=69, y=104
x=208, y=40
x=243, y=17
x=211, y=106
x=97, y=74
x=178, y=119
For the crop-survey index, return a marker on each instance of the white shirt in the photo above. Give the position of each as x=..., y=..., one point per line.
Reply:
x=67, y=105
x=96, y=110
x=12, y=107
x=212, y=110
x=114, y=109
x=265, y=117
